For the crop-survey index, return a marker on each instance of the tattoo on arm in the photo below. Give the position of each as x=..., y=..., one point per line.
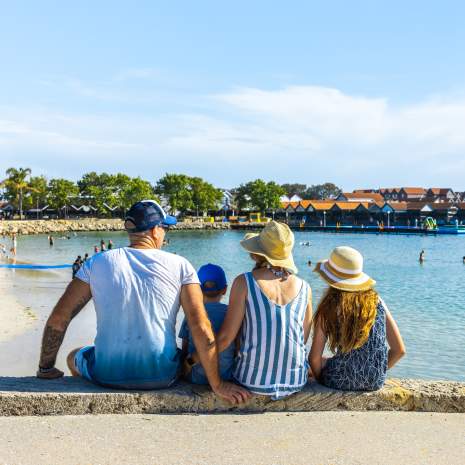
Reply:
x=51, y=342
x=53, y=338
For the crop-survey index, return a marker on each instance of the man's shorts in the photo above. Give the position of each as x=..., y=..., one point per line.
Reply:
x=83, y=360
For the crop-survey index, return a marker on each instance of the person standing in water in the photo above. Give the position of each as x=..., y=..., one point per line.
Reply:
x=103, y=246
x=110, y=244
x=50, y=240
x=14, y=244
x=421, y=259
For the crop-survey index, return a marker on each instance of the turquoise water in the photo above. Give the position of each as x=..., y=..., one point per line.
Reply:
x=428, y=301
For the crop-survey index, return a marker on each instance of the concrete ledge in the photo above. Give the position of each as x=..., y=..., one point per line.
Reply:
x=73, y=396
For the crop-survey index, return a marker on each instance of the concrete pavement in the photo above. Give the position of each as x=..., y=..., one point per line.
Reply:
x=335, y=438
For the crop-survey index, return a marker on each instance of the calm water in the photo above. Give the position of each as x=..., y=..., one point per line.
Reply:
x=428, y=301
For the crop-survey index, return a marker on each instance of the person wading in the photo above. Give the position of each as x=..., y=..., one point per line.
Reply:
x=137, y=292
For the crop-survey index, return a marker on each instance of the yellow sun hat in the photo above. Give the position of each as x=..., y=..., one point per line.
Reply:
x=275, y=242
x=344, y=270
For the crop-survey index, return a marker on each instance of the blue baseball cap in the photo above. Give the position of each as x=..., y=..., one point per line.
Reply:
x=147, y=214
x=214, y=276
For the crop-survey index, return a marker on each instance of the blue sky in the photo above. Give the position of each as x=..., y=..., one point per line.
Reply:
x=362, y=93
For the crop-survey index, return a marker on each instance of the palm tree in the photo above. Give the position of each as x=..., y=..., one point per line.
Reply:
x=17, y=182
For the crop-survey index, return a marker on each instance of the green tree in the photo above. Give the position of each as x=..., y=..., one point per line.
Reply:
x=134, y=190
x=177, y=190
x=16, y=185
x=61, y=191
x=327, y=190
x=259, y=195
x=205, y=196
x=102, y=189
x=294, y=189
x=38, y=187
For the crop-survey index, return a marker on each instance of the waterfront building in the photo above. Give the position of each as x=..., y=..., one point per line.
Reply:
x=438, y=194
x=293, y=198
x=411, y=194
x=360, y=197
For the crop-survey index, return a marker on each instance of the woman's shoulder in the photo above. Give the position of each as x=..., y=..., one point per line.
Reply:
x=305, y=285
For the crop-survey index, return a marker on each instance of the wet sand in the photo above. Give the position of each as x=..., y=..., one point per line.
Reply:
x=15, y=318
x=27, y=300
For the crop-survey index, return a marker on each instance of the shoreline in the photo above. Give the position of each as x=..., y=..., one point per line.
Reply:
x=32, y=227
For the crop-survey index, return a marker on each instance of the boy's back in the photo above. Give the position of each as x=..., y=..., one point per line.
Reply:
x=216, y=312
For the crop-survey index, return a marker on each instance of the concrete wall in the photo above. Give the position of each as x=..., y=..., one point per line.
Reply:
x=73, y=396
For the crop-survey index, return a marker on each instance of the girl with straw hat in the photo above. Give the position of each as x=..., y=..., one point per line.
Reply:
x=357, y=325
x=270, y=308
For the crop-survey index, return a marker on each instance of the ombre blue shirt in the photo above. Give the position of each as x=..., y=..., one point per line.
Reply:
x=136, y=294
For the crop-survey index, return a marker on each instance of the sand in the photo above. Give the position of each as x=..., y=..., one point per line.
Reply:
x=27, y=299
x=15, y=318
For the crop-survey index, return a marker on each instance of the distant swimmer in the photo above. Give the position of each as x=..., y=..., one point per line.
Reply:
x=103, y=247
x=306, y=244
x=421, y=259
x=96, y=249
x=463, y=260
x=110, y=244
x=86, y=257
x=309, y=263
x=50, y=241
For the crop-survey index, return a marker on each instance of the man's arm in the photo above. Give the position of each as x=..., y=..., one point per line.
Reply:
x=75, y=297
x=204, y=341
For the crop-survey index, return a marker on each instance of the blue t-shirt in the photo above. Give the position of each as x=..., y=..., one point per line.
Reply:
x=216, y=313
x=136, y=294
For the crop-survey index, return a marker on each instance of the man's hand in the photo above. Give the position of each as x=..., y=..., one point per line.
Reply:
x=53, y=373
x=232, y=393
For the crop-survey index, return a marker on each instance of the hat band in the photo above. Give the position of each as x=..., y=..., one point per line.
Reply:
x=351, y=280
x=340, y=269
x=337, y=273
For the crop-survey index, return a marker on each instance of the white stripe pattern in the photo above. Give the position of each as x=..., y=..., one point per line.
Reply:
x=277, y=347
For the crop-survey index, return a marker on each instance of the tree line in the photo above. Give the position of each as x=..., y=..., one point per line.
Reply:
x=181, y=192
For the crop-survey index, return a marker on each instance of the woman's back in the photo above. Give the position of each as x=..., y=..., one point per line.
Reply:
x=279, y=291
x=272, y=357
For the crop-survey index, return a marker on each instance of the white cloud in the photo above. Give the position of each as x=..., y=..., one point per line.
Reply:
x=302, y=133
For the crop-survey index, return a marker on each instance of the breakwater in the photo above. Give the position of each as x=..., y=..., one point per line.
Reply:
x=74, y=396
x=30, y=227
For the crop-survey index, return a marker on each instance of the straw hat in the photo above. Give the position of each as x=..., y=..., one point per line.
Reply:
x=344, y=270
x=275, y=243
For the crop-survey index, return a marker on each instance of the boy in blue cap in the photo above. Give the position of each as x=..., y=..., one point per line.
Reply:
x=214, y=285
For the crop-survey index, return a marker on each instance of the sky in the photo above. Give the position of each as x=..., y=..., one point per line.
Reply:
x=359, y=93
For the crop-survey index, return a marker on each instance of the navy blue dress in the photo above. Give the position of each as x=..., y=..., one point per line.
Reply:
x=362, y=369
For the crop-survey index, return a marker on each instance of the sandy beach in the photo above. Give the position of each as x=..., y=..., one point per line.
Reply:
x=15, y=318
x=27, y=300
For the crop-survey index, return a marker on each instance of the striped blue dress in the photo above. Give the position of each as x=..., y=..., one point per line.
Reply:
x=272, y=358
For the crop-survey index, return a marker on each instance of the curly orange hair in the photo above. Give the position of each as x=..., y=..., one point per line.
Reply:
x=346, y=318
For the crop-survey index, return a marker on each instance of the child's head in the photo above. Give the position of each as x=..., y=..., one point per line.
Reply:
x=213, y=282
x=347, y=311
